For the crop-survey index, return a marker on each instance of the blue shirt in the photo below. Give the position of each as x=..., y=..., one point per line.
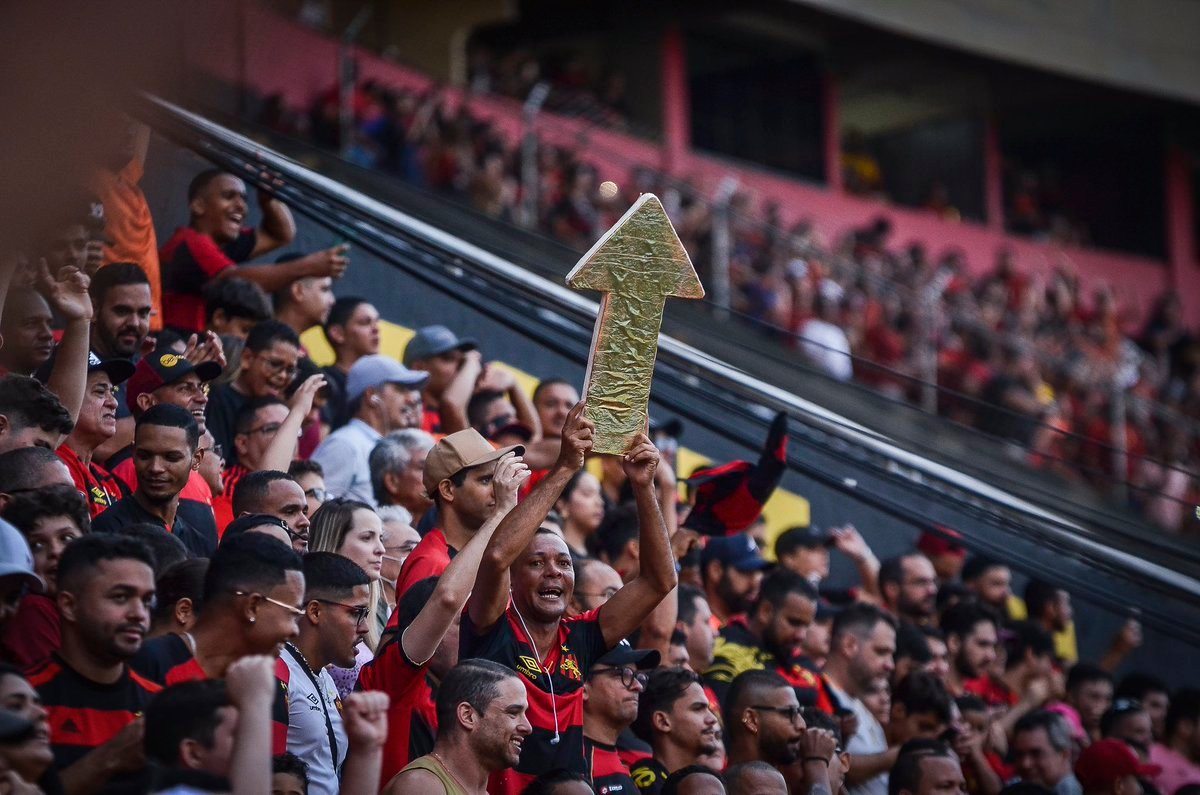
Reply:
x=344, y=456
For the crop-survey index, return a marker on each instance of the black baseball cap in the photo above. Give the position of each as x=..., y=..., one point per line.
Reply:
x=119, y=370
x=738, y=551
x=621, y=654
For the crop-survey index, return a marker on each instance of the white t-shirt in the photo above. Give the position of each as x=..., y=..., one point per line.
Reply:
x=314, y=711
x=868, y=739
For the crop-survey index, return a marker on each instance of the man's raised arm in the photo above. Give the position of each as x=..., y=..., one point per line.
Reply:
x=630, y=606
x=488, y=601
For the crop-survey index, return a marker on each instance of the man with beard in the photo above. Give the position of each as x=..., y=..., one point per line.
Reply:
x=105, y=592
x=164, y=454
x=1028, y=668
x=271, y=492
x=96, y=425
x=425, y=637
x=694, y=621
x=336, y=608
x=732, y=569
x=382, y=396
x=972, y=633
x=163, y=376
x=765, y=724
x=770, y=639
x=610, y=705
x=268, y=367
x=482, y=726
x=253, y=596
x=861, y=651
x=214, y=243
x=990, y=581
x=674, y=716
x=908, y=586
x=120, y=323
x=525, y=626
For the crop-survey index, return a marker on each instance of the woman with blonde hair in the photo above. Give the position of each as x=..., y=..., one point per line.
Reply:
x=353, y=530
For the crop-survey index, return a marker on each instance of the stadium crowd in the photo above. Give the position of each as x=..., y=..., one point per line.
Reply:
x=226, y=569
x=1030, y=359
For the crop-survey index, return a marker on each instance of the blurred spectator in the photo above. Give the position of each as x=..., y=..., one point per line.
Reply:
x=352, y=330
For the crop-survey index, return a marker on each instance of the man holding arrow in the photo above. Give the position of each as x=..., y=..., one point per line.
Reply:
x=527, y=629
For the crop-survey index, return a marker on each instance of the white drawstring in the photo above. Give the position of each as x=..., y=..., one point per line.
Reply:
x=549, y=678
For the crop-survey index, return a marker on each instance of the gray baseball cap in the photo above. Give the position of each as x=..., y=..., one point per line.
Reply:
x=16, y=559
x=376, y=370
x=434, y=341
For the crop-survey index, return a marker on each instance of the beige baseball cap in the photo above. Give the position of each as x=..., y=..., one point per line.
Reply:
x=458, y=451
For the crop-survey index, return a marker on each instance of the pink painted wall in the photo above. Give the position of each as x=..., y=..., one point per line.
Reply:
x=285, y=57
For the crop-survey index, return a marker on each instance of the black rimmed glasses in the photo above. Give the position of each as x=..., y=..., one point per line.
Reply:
x=628, y=676
x=358, y=612
x=790, y=713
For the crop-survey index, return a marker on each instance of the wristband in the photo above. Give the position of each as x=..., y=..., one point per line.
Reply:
x=808, y=759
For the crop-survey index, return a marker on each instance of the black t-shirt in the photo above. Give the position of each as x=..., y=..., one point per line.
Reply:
x=194, y=523
x=159, y=655
x=224, y=403
x=649, y=776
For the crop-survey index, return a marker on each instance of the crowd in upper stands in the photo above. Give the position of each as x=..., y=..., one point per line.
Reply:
x=224, y=568
x=1030, y=359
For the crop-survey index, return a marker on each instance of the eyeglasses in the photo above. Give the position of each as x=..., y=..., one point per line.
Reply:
x=280, y=366
x=270, y=429
x=318, y=494
x=791, y=713
x=215, y=450
x=295, y=611
x=628, y=676
x=358, y=612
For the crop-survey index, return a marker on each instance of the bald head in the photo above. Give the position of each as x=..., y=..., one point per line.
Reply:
x=754, y=778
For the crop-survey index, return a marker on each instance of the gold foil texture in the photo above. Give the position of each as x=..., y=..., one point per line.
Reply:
x=636, y=265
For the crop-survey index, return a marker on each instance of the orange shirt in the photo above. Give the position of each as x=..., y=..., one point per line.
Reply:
x=130, y=228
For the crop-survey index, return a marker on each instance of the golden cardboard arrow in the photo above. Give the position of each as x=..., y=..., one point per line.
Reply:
x=637, y=264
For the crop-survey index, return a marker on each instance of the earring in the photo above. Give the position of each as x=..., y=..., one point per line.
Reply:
x=251, y=619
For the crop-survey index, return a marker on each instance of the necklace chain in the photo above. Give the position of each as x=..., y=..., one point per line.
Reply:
x=449, y=772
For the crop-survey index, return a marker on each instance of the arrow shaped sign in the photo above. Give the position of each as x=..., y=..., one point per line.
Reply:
x=637, y=264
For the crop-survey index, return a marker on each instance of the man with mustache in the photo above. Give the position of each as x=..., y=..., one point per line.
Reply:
x=972, y=635
x=96, y=425
x=610, y=706
x=163, y=376
x=120, y=324
x=675, y=717
x=269, y=363
x=105, y=593
x=481, y=727
x=214, y=244
x=908, y=586
x=165, y=453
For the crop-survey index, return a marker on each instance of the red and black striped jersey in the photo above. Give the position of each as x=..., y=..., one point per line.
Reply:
x=84, y=714
x=412, y=719
x=191, y=671
x=554, y=689
x=606, y=771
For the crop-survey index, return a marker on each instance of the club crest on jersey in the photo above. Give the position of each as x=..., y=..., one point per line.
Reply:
x=529, y=667
x=569, y=668
x=644, y=778
x=98, y=496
